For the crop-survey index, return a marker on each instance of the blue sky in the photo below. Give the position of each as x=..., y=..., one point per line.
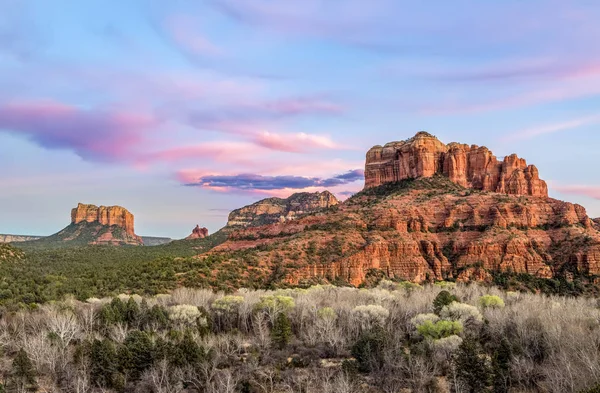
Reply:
x=182, y=111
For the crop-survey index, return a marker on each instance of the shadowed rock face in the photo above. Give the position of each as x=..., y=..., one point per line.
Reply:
x=468, y=166
x=104, y=215
x=198, y=233
x=273, y=210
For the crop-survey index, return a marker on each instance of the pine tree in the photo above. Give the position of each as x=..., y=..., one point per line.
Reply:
x=103, y=362
x=501, y=367
x=22, y=374
x=471, y=366
x=132, y=312
x=282, y=331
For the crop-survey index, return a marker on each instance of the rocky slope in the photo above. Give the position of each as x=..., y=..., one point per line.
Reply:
x=440, y=222
x=428, y=229
x=469, y=166
x=273, y=210
x=198, y=233
x=17, y=238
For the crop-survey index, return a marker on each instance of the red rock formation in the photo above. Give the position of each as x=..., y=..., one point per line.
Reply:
x=469, y=166
x=431, y=230
x=272, y=210
x=198, y=233
x=108, y=216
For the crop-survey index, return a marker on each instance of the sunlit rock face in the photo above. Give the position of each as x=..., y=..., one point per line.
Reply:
x=469, y=166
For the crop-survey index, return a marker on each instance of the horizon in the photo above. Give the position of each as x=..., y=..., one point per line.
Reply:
x=181, y=113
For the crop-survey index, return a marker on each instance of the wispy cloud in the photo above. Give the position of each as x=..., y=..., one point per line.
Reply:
x=251, y=182
x=530, y=133
x=587, y=191
x=183, y=31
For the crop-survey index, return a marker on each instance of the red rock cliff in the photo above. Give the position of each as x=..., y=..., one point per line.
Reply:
x=469, y=166
x=105, y=215
x=198, y=233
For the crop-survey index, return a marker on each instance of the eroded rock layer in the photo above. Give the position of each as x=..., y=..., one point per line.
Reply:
x=198, y=233
x=427, y=229
x=104, y=215
x=273, y=210
x=469, y=166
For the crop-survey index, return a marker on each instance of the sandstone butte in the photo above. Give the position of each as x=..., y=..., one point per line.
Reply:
x=469, y=166
x=109, y=225
x=273, y=210
x=198, y=233
x=459, y=214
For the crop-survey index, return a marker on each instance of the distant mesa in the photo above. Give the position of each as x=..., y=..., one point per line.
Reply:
x=469, y=166
x=198, y=233
x=104, y=215
x=275, y=210
x=17, y=238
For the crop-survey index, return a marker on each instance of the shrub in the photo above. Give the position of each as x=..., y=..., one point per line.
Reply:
x=187, y=315
x=491, y=301
x=228, y=304
x=461, y=312
x=439, y=329
x=327, y=313
x=370, y=316
x=443, y=299
x=420, y=319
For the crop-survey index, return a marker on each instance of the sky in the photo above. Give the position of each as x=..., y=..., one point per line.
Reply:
x=182, y=111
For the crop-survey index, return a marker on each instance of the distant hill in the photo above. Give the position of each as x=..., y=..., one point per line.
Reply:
x=17, y=238
x=155, y=241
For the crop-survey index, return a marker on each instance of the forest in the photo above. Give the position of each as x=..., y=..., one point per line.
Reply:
x=395, y=337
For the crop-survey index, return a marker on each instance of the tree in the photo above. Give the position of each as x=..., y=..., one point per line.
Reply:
x=103, y=363
x=443, y=299
x=22, y=375
x=471, y=367
x=282, y=331
x=368, y=350
x=137, y=354
x=501, y=367
x=132, y=312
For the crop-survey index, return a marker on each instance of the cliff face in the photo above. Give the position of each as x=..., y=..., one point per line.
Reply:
x=426, y=229
x=273, y=210
x=104, y=215
x=468, y=166
x=198, y=233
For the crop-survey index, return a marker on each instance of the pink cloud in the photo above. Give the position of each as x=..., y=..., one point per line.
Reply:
x=100, y=135
x=185, y=33
x=533, y=132
x=587, y=191
x=294, y=143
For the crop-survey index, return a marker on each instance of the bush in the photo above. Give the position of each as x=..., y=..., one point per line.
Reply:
x=439, y=329
x=491, y=301
x=187, y=315
x=461, y=312
x=443, y=299
x=370, y=316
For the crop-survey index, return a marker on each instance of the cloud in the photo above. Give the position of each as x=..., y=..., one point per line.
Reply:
x=183, y=31
x=96, y=135
x=534, y=132
x=252, y=182
x=587, y=191
x=293, y=143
